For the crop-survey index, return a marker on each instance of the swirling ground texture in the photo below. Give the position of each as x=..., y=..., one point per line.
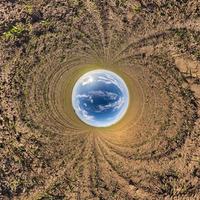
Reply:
x=46, y=152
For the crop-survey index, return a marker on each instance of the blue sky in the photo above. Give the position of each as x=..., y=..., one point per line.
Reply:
x=100, y=98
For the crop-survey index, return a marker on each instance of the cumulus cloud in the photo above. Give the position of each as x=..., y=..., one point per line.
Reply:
x=82, y=96
x=88, y=97
x=87, y=80
x=84, y=113
x=111, y=95
x=98, y=93
x=107, y=79
x=115, y=105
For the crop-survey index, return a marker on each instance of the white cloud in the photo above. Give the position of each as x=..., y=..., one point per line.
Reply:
x=84, y=113
x=82, y=96
x=88, y=97
x=87, y=80
x=107, y=79
x=99, y=93
x=119, y=104
x=91, y=99
x=116, y=105
x=112, y=95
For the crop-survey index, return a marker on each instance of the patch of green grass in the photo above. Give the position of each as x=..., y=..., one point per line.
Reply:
x=15, y=184
x=14, y=31
x=74, y=2
x=181, y=32
x=136, y=8
x=28, y=8
x=21, y=149
x=45, y=22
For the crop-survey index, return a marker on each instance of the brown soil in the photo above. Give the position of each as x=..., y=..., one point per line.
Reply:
x=46, y=153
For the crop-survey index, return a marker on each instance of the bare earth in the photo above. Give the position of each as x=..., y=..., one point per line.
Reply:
x=46, y=153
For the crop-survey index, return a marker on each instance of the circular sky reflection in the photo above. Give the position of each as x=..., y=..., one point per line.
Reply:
x=100, y=98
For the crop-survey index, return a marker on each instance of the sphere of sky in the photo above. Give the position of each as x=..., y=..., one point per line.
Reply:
x=100, y=98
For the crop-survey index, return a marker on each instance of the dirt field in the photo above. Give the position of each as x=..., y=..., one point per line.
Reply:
x=46, y=153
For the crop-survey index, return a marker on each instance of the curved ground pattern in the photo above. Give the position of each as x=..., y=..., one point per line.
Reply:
x=46, y=152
